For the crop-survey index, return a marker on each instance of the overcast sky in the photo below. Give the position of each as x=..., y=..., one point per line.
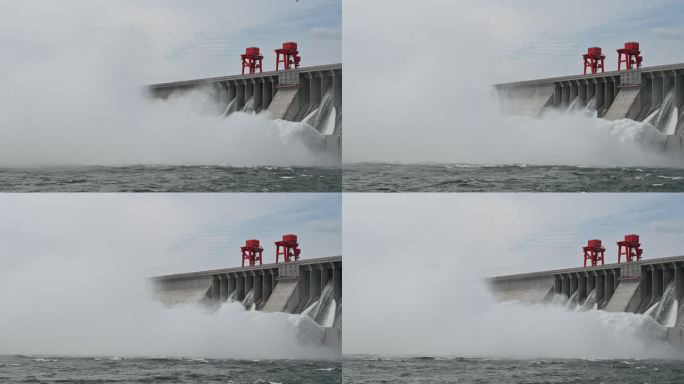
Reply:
x=504, y=233
x=414, y=264
x=169, y=40
x=152, y=234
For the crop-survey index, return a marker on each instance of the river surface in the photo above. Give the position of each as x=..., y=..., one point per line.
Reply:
x=382, y=177
x=147, y=178
x=430, y=370
x=86, y=370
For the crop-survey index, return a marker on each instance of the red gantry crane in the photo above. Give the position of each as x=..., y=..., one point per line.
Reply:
x=252, y=252
x=630, y=55
x=252, y=60
x=594, y=60
x=593, y=253
x=290, y=56
x=288, y=248
x=630, y=248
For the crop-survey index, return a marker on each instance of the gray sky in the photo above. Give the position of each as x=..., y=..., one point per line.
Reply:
x=169, y=40
x=413, y=264
x=151, y=234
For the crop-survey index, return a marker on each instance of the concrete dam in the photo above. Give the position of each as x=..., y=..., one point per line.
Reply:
x=311, y=287
x=648, y=94
x=312, y=95
x=653, y=287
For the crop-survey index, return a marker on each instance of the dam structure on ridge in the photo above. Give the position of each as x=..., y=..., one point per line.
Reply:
x=646, y=94
x=654, y=287
x=312, y=95
x=311, y=287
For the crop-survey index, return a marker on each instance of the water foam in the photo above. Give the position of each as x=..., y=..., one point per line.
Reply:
x=116, y=316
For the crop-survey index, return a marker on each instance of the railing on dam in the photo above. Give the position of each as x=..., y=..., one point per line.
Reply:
x=660, y=69
x=318, y=69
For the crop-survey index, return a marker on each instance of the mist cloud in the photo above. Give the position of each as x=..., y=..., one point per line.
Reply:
x=73, y=75
x=75, y=269
x=415, y=264
x=429, y=98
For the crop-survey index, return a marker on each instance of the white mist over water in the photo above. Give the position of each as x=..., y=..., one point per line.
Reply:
x=444, y=109
x=75, y=268
x=418, y=261
x=72, y=94
x=459, y=318
x=89, y=309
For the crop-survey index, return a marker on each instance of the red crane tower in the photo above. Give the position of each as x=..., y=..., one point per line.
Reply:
x=288, y=247
x=593, y=252
x=252, y=252
x=594, y=60
x=630, y=248
x=290, y=56
x=630, y=55
x=252, y=59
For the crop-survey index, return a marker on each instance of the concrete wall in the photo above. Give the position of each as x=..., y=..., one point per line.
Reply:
x=305, y=88
x=622, y=287
x=633, y=94
x=533, y=290
x=277, y=287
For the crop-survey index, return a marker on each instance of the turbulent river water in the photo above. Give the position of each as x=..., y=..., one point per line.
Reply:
x=385, y=177
x=149, y=178
x=433, y=370
x=54, y=369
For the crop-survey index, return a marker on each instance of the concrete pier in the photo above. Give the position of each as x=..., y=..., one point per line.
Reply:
x=632, y=287
x=635, y=94
x=284, y=287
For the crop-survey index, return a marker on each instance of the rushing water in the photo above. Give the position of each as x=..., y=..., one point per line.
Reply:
x=322, y=311
x=424, y=370
x=146, y=178
x=665, y=310
x=31, y=369
x=383, y=177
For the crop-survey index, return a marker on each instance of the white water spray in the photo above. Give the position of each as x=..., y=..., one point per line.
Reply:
x=323, y=310
x=666, y=117
x=664, y=311
x=590, y=302
x=248, y=301
x=83, y=103
x=115, y=315
x=249, y=106
x=324, y=117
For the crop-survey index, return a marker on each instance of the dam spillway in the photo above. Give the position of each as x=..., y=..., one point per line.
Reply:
x=648, y=94
x=308, y=94
x=293, y=287
x=653, y=286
